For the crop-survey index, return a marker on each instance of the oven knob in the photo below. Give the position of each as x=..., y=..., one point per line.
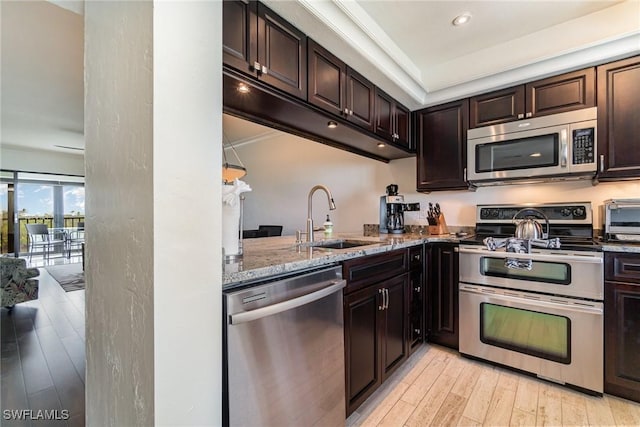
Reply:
x=578, y=212
x=494, y=213
x=484, y=213
x=565, y=212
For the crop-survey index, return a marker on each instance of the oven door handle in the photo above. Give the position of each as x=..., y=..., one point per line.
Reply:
x=533, y=302
x=535, y=257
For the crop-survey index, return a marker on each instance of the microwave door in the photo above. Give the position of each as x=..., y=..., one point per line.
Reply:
x=625, y=219
x=522, y=154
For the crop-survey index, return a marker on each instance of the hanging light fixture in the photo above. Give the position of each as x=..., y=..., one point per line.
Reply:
x=231, y=172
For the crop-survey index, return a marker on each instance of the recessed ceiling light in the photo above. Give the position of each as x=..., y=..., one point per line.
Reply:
x=332, y=125
x=243, y=88
x=461, y=19
x=535, y=155
x=380, y=145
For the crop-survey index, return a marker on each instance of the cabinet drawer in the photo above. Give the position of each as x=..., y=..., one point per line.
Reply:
x=622, y=267
x=362, y=272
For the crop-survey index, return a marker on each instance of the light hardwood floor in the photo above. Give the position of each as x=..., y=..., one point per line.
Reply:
x=438, y=387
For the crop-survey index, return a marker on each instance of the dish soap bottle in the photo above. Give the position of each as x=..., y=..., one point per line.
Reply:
x=328, y=227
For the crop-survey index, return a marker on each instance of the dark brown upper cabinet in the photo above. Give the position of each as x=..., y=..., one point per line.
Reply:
x=442, y=146
x=619, y=119
x=557, y=94
x=392, y=120
x=338, y=89
x=258, y=42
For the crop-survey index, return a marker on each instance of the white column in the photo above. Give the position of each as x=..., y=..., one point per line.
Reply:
x=153, y=153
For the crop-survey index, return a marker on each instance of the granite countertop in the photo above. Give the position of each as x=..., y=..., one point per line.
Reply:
x=620, y=247
x=271, y=256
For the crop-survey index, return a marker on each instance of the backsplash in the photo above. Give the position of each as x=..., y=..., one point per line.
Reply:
x=374, y=229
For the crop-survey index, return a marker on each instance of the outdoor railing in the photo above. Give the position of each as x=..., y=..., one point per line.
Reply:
x=69, y=221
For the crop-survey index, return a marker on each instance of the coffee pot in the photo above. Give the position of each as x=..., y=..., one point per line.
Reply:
x=529, y=228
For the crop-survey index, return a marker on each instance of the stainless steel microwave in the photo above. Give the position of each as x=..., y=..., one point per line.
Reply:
x=556, y=147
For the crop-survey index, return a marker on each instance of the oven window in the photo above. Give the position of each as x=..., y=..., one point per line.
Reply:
x=558, y=273
x=525, y=153
x=530, y=332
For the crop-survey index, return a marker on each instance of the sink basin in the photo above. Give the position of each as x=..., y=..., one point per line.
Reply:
x=342, y=244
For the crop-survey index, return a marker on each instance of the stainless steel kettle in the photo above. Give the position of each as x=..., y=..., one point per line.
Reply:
x=529, y=228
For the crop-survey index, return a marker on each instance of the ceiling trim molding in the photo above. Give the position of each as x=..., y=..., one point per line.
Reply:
x=357, y=29
x=597, y=53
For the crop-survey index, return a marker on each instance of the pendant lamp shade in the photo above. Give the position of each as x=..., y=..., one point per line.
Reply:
x=230, y=171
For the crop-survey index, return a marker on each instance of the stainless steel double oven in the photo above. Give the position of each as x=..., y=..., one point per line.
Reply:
x=547, y=320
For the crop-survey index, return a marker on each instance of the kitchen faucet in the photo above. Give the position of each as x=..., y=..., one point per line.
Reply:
x=332, y=206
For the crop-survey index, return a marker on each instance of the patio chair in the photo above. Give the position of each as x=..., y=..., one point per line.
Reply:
x=75, y=239
x=39, y=237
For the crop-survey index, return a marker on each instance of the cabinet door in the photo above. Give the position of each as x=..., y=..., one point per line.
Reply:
x=394, y=328
x=362, y=311
x=622, y=340
x=442, y=151
x=557, y=94
x=326, y=79
x=443, y=295
x=402, y=126
x=237, y=33
x=282, y=49
x=416, y=309
x=619, y=119
x=360, y=100
x=497, y=107
x=384, y=115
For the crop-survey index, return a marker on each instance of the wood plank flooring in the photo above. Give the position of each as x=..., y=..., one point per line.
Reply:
x=438, y=387
x=43, y=367
x=43, y=355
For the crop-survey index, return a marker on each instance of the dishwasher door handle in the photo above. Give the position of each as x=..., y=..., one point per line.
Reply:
x=259, y=313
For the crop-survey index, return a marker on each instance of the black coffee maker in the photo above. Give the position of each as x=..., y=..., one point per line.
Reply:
x=392, y=208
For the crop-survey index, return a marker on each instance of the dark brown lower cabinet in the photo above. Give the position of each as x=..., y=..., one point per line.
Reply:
x=376, y=332
x=442, y=295
x=417, y=290
x=622, y=325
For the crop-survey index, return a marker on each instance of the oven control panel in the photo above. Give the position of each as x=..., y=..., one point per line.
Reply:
x=584, y=142
x=560, y=213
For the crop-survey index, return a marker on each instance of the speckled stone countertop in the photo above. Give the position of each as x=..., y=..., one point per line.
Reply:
x=271, y=256
x=620, y=247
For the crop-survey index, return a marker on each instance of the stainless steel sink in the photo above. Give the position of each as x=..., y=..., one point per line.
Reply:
x=342, y=244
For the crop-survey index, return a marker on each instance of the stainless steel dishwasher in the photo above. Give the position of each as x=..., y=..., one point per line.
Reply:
x=284, y=358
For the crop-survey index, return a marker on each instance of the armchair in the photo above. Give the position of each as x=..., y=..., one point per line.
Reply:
x=16, y=284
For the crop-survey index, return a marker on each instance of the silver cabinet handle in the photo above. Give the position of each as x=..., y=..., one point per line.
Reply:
x=257, y=67
x=346, y=111
x=381, y=307
x=601, y=162
x=386, y=292
x=529, y=114
x=464, y=173
x=564, y=148
x=521, y=116
x=259, y=313
x=417, y=289
x=264, y=69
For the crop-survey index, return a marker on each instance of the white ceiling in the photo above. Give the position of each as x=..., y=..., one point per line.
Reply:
x=408, y=48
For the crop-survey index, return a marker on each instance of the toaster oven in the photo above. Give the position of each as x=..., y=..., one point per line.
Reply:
x=622, y=220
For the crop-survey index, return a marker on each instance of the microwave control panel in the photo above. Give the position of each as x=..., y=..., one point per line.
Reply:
x=584, y=146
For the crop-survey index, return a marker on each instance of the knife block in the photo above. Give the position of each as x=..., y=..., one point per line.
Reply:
x=440, y=227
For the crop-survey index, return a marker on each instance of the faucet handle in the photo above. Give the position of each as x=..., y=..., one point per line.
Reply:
x=299, y=234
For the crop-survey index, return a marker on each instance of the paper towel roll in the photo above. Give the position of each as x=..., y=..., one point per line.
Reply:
x=231, y=228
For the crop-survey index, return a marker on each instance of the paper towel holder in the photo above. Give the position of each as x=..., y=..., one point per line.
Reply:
x=237, y=257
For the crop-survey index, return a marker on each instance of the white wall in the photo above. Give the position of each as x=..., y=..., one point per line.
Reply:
x=282, y=170
x=29, y=160
x=187, y=175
